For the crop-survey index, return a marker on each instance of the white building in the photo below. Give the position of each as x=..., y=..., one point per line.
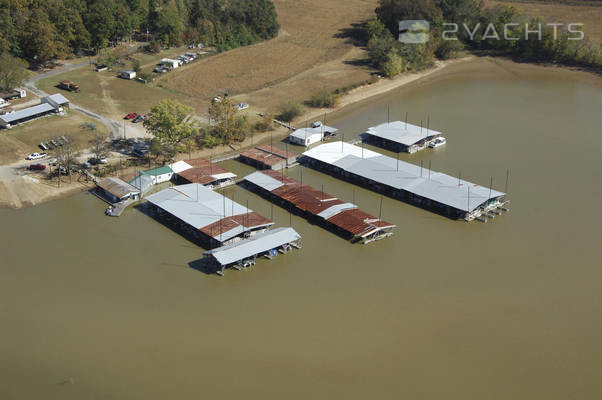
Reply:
x=127, y=74
x=309, y=136
x=171, y=63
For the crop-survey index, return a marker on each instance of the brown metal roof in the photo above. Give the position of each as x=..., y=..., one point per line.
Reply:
x=248, y=221
x=358, y=222
x=309, y=199
x=117, y=187
x=262, y=157
x=202, y=171
x=276, y=151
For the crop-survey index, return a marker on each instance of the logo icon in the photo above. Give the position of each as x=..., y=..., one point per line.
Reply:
x=414, y=31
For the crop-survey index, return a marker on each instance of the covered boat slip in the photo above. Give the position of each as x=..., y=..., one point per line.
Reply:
x=244, y=253
x=217, y=219
x=202, y=171
x=432, y=190
x=343, y=218
x=400, y=136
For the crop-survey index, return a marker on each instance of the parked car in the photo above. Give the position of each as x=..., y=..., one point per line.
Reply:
x=36, y=156
x=139, y=153
x=94, y=160
x=241, y=106
x=37, y=167
x=131, y=116
x=101, y=67
x=139, y=118
x=43, y=146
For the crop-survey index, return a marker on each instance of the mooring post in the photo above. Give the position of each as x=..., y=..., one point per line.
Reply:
x=507, y=178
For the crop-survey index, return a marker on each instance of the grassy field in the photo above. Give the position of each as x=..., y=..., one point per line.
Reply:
x=18, y=142
x=587, y=12
x=307, y=55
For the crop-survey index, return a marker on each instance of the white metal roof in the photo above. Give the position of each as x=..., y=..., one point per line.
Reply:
x=257, y=244
x=303, y=133
x=225, y=175
x=199, y=207
x=401, y=175
x=400, y=132
x=58, y=98
x=180, y=166
x=26, y=113
x=334, y=210
x=264, y=181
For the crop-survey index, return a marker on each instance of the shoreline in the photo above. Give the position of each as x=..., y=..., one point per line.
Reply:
x=16, y=193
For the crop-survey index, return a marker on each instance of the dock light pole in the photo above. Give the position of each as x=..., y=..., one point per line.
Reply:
x=468, y=205
x=272, y=211
x=420, y=127
x=490, y=186
x=406, y=120
x=428, y=120
x=507, y=179
x=380, y=210
x=342, y=140
x=301, y=179
x=460, y=179
x=397, y=161
x=362, y=149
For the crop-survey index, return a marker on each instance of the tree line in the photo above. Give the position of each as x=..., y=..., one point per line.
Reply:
x=494, y=30
x=40, y=30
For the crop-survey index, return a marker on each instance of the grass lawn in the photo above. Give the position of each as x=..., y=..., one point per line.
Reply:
x=21, y=140
x=587, y=12
x=106, y=94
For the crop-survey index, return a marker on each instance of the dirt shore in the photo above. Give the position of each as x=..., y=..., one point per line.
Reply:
x=18, y=190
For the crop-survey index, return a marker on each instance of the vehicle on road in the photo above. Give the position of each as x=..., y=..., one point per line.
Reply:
x=37, y=167
x=131, y=116
x=36, y=156
x=94, y=160
x=139, y=118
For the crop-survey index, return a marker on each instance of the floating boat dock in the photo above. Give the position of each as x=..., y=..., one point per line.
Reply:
x=268, y=157
x=434, y=191
x=203, y=171
x=206, y=216
x=400, y=136
x=318, y=207
x=244, y=254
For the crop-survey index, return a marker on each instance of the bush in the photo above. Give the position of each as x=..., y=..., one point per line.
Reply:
x=153, y=47
x=449, y=49
x=323, y=98
x=264, y=125
x=289, y=111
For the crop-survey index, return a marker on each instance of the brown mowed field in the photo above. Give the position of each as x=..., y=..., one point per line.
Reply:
x=307, y=42
x=587, y=12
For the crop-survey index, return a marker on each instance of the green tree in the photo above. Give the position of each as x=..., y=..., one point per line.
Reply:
x=170, y=124
x=12, y=71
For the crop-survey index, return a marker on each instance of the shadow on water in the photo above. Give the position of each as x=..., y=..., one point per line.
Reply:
x=203, y=265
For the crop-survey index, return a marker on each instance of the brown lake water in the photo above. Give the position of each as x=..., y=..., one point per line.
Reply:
x=109, y=308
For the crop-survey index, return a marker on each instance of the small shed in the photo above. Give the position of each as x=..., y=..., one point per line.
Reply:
x=309, y=136
x=56, y=100
x=160, y=175
x=128, y=74
x=115, y=190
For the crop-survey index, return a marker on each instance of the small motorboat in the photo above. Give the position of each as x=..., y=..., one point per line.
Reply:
x=440, y=141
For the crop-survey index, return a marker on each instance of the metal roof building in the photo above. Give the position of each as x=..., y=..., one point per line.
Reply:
x=308, y=136
x=343, y=218
x=253, y=246
x=27, y=114
x=268, y=157
x=216, y=217
x=56, y=100
x=203, y=171
x=399, y=135
x=117, y=190
x=429, y=189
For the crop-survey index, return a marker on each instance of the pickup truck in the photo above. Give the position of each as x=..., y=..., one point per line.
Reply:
x=36, y=156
